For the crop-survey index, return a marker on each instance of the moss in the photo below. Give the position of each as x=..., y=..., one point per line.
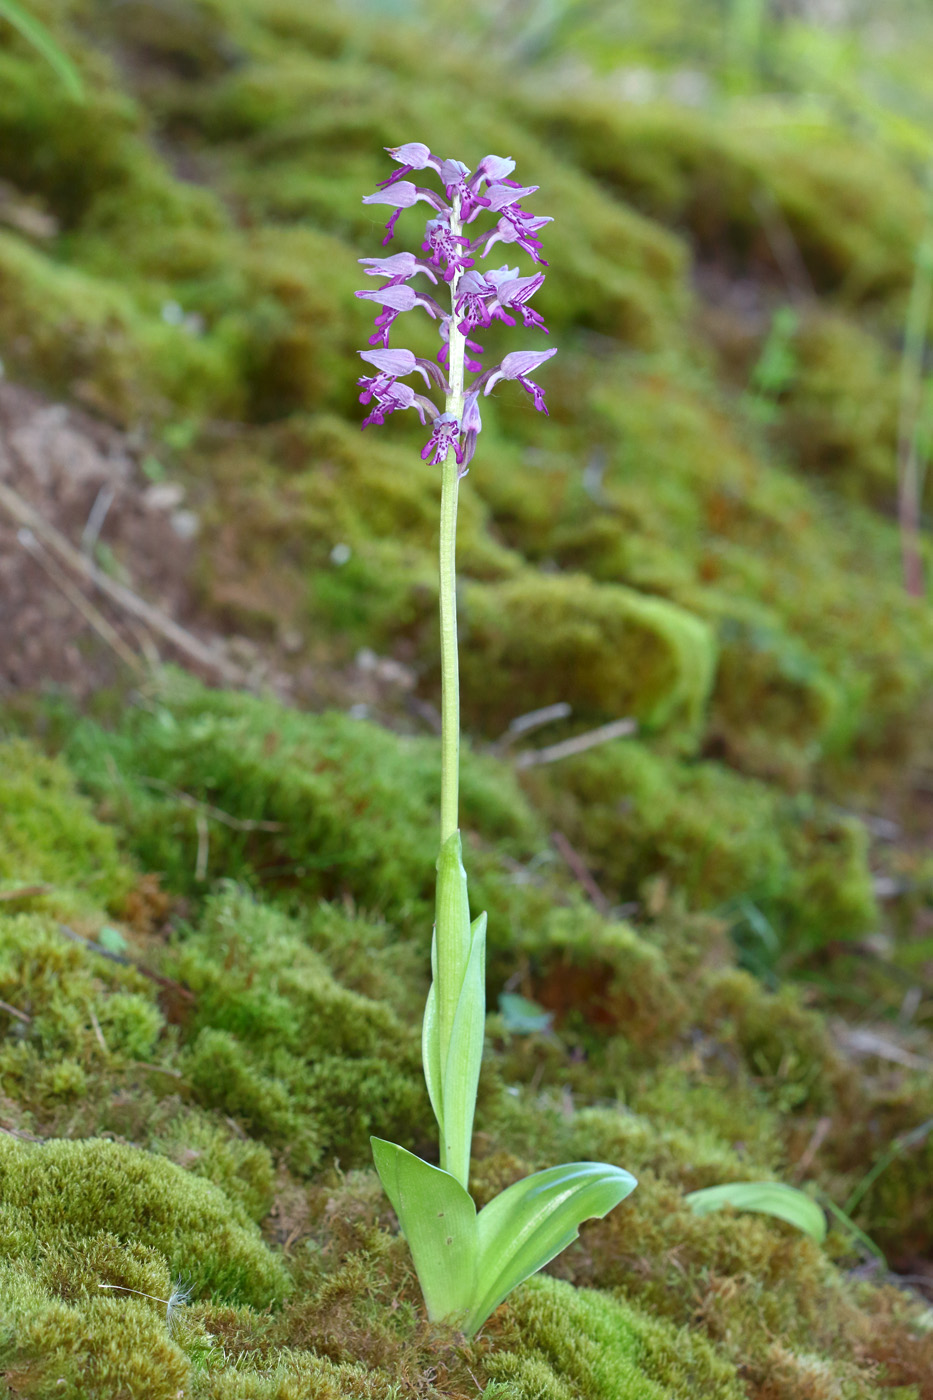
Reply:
x=108, y=1344
x=787, y=1046
x=311, y=777
x=243, y=1169
x=600, y=976
x=75, y=1190
x=720, y=181
x=723, y=841
x=604, y=649
x=86, y=1015
x=839, y=418
x=85, y=337
x=48, y=834
x=607, y=1350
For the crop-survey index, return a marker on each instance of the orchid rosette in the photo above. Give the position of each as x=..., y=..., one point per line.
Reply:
x=476, y=297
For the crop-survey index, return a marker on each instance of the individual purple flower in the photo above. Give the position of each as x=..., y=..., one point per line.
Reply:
x=514, y=291
x=402, y=196
x=445, y=434
x=398, y=363
x=413, y=156
x=442, y=243
x=394, y=300
x=470, y=427
x=519, y=365
x=513, y=229
x=398, y=268
x=492, y=169
x=473, y=291
x=389, y=398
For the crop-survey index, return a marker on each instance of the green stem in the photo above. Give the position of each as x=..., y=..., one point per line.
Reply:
x=450, y=666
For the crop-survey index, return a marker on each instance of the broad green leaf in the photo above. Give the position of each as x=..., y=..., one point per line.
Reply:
x=766, y=1197
x=40, y=38
x=531, y=1222
x=464, y=1057
x=438, y=1219
x=430, y=1046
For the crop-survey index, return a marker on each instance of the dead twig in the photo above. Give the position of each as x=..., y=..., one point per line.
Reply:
x=196, y=805
x=167, y=982
x=25, y=515
x=534, y=719
x=567, y=748
x=15, y=1011
x=578, y=866
x=98, y=1033
x=24, y=892
x=817, y=1139
x=92, y=615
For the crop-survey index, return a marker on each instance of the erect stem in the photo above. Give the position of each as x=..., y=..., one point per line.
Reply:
x=450, y=666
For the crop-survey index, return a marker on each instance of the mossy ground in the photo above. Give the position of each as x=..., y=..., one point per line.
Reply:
x=214, y=910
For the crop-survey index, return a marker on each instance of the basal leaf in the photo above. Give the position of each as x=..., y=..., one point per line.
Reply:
x=531, y=1222
x=438, y=1219
x=464, y=1056
x=766, y=1197
x=430, y=1047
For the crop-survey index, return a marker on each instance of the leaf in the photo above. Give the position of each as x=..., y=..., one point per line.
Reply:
x=111, y=939
x=523, y=1017
x=438, y=1219
x=766, y=1197
x=531, y=1222
x=452, y=932
x=464, y=1057
x=430, y=1046
x=41, y=40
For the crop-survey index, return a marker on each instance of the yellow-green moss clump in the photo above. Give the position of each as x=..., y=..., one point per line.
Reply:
x=605, y=649
x=787, y=866
x=48, y=836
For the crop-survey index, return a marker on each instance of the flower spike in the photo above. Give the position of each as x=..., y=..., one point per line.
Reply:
x=477, y=297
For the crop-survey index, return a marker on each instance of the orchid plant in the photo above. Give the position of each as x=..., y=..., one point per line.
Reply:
x=467, y=1261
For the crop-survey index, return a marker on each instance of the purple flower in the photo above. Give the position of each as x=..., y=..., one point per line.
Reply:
x=492, y=169
x=398, y=363
x=470, y=428
x=513, y=229
x=441, y=242
x=518, y=366
x=402, y=196
x=502, y=196
x=394, y=300
x=472, y=293
x=389, y=396
x=445, y=434
x=413, y=156
x=514, y=291
x=399, y=267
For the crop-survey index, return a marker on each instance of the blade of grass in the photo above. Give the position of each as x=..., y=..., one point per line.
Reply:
x=36, y=34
